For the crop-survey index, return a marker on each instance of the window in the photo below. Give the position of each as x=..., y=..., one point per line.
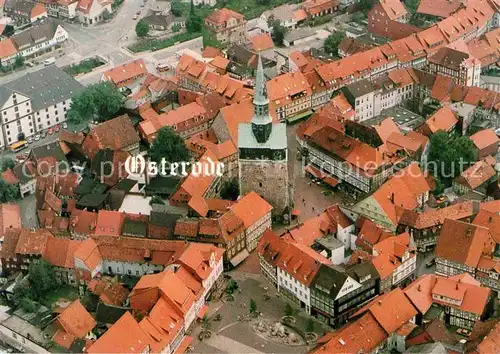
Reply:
x=129, y=272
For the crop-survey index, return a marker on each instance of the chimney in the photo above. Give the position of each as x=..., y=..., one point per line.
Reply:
x=418, y=288
x=490, y=219
x=392, y=197
x=456, y=286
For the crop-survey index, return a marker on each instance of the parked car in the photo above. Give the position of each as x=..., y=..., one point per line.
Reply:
x=135, y=17
x=138, y=13
x=50, y=131
x=29, y=140
x=57, y=128
x=30, y=64
x=44, y=134
x=49, y=61
x=65, y=125
x=37, y=137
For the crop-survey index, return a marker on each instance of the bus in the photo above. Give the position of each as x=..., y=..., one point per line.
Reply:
x=22, y=144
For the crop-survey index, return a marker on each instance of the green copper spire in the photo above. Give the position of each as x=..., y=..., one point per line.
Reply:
x=261, y=121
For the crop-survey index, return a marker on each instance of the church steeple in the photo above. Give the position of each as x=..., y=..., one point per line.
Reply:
x=262, y=123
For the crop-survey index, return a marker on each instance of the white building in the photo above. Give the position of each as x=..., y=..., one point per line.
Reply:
x=40, y=39
x=284, y=14
x=35, y=102
x=91, y=12
x=369, y=98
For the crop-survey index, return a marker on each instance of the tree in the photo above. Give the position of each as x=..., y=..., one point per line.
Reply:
x=106, y=15
x=176, y=28
x=206, y=323
x=209, y=39
x=450, y=157
x=253, y=306
x=288, y=310
x=194, y=22
x=42, y=278
x=263, y=2
x=22, y=291
x=6, y=163
x=310, y=325
x=169, y=146
x=278, y=32
x=176, y=8
x=19, y=61
x=99, y=101
x=8, y=192
x=412, y=5
x=141, y=29
x=365, y=5
x=230, y=190
x=332, y=42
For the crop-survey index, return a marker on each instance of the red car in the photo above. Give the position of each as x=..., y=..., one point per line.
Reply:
x=57, y=128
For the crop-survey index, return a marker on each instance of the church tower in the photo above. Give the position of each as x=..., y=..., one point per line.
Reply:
x=262, y=153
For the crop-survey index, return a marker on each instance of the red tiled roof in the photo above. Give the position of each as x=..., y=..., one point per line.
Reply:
x=314, y=7
x=115, y=134
x=88, y=253
x=491, y=342
x=394, y=8
x=443, y=119
x=261, y=42
x=109, y=223
x=10, y=217
x=476, y=175
x=361, y=336
x=211, y=52
x=484, y=138
x=463, y=243
x=251, y=208
x=7, y=48
x=32, y=242
x=114, y=340
x=489, y=220
x=60, y=252
x=75, y=320
x=389, y=254
x=120, y=74
x=439, y=8
x=220, y=62
x=221, y=16
x=391, y=310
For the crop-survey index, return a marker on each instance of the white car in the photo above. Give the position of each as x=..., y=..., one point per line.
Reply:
x=29, y=140
x=65, y=125
x=37, y=137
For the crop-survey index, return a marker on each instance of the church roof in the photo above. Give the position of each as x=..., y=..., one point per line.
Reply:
x=276, y=141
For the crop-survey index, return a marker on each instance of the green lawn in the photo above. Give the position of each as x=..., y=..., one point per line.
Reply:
x=157, y=44
x=66, y=292
x=84, y=66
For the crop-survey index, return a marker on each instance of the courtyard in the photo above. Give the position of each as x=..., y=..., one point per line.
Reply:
x=236, y=331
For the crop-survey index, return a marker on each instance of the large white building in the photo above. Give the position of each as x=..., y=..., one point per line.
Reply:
x=35, y=102
x=32, y=42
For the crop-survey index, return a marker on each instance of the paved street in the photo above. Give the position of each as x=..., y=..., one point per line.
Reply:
x=233, y=336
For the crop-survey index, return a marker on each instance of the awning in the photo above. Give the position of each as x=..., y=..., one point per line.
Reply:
x=203, y=311
x=332, y=182
x=315, y=172
x=240, y=257
x=295, y=212
x=300, y=116
x=181, y=349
